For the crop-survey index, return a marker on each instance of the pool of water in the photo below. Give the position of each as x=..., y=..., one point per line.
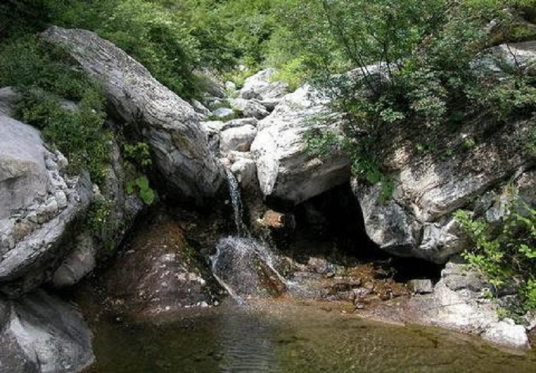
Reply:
x=283, y=336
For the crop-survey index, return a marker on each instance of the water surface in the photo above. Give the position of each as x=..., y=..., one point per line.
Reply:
x=282, y=336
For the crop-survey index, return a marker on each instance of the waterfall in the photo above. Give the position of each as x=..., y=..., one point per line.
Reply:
x=236, y=200
x=242, y=265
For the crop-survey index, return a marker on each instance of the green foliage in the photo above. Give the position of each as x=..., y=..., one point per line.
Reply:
x=45, y=78
x=506, y=252
x=98, y=216
x=141, y=187
x=139, y=154
x=322, y=143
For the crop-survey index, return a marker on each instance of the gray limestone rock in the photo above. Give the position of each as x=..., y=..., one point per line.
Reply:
x=260, y=86
x=249, y=108
x=284, y=167
x=168, y=123
x=237, y=138
x=23, y=174
x=42, y=334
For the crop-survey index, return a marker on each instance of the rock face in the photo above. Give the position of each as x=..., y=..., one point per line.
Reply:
x=417, y=221
x=169, y=124
x=40, y=207
x=158, y=274
x=39, y=333
x=459, y=302
x=23, y=174
x=284, y=168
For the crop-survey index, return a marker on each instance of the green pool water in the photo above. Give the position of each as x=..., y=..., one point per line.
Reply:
x=290, y=337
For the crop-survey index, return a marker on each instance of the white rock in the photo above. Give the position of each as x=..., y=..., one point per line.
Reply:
x=245, y=171
x=504, y=333
x=284, y=168
x=249, y=108
x=260, y=86
x=237, y=138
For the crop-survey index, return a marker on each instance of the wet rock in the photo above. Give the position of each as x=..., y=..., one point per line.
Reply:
x=168, y=123
x=237, y=138
x=284, y=168
x=276, y=220
x=158, y=274
x=40, y=333
x=79, y=262
x=244, y=268
x=224, y=113
x=421, y=286
x=245, y=171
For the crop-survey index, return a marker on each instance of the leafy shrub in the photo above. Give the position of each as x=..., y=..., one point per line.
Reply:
x=505, y=252
x=141, y=187
x=45, y=79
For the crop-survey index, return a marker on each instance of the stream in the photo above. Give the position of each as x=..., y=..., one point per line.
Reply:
x=290, y=337
x=265, y=326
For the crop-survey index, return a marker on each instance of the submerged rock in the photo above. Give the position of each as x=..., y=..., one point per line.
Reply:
x=39, y=333
x=284, y=168
x=168, y=123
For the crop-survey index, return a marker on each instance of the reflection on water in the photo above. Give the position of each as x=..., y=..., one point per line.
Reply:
x=287, y=337
x=247, y=345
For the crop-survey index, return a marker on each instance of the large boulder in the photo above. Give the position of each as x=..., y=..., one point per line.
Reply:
x=244, y=268
x=158, y=274
x=24, y=177
x=460, y=301
x=284, y=167
x=42, y=334
x=249, y=108
x=169, y=124
x=237, y=138
x=427, y=188
x=261, y=87
x=40, y=207
x=417, y=221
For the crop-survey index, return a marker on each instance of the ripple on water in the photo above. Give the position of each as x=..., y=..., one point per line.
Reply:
x=291, y=337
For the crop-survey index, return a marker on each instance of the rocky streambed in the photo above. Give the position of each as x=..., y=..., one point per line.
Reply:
x=260, y=256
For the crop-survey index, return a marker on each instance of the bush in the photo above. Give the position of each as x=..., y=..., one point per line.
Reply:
x=505, y=253
x=45, y=79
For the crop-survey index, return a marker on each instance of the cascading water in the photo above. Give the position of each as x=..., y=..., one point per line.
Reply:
x=236, y=201
x=241, y=264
